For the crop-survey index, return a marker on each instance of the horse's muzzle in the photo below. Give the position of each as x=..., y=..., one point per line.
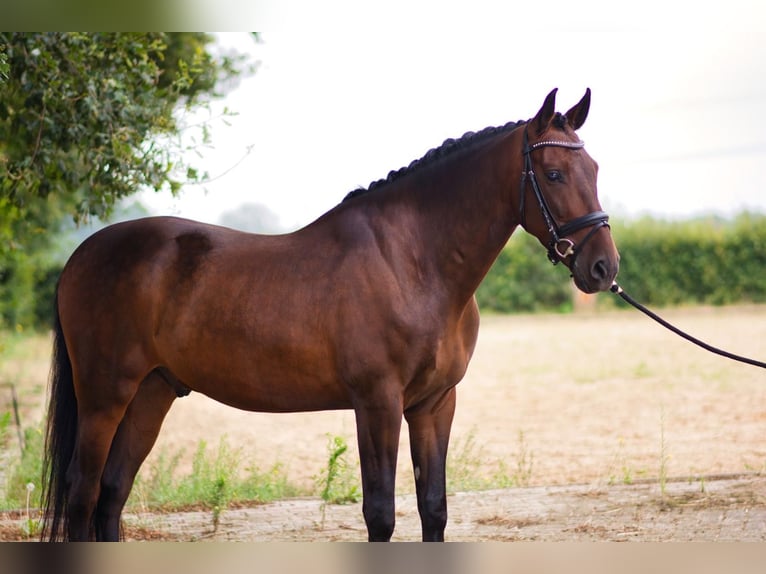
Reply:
x=597, y=273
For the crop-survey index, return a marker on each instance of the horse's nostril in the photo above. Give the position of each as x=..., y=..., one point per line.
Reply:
x=599, y=270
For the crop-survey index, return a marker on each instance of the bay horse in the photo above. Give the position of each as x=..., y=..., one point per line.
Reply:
x=371, y=307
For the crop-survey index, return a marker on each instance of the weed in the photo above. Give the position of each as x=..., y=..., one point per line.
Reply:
x=620, y=471
x=5, y=423
x=266, y=486
x=210, y=482
x=23, y=471
x=157, y=486
x=466, y=463
x=219, y=500
x=338, y=483
x=663, y=477
x=33, y=525
x=642, y=370
x=524, y=462
x=756, y=469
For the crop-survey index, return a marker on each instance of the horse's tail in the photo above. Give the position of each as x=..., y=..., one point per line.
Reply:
x=60, y=437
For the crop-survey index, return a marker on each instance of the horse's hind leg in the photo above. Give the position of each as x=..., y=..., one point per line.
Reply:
x=134, y=440
x=429, y=427
x=98, y=419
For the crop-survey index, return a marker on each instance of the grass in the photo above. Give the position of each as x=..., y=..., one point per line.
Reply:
x=621, y=470
x=216, y=481
x=5, y=424
x=467, y=463
x=21, y=471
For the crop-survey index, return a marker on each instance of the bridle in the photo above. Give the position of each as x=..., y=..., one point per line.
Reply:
x=559, y=247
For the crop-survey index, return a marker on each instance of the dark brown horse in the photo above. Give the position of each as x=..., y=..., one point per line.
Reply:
x=370, y=308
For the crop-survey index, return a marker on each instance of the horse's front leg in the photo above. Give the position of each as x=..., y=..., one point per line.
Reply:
x=378, y=423
x=429, y=427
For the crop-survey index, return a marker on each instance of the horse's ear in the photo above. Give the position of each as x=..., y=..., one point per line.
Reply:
x=579, y=111
x=543, y=118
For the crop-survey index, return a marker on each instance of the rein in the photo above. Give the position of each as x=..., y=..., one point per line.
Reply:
x=559, y=247
x=615, y=288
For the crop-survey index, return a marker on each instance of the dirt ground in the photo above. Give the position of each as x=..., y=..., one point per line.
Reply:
x=732, y=509
x=589, y=413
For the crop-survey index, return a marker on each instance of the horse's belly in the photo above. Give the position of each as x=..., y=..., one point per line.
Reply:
x=276, y=397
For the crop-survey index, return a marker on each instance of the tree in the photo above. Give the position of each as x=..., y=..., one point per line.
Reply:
x=4, y=67
x=82, y=118
x=78, y=114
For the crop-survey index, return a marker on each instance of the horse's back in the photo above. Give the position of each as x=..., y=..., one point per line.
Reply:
x=123, y=260
x=120, y=246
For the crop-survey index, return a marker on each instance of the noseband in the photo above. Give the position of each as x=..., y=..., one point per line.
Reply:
x=559, y=247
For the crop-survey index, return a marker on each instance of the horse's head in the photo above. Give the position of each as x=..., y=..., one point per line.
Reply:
x=558, y=199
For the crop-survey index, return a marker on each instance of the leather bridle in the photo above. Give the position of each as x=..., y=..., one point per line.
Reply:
x=559, y=247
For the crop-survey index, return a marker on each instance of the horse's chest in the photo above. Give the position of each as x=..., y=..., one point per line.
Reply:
x=442, y=365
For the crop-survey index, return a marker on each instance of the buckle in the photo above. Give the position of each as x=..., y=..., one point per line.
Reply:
x=568, y=250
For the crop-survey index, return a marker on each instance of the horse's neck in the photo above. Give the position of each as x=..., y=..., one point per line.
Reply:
x=467, y=213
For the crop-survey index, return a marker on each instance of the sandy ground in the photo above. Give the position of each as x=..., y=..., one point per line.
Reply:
x=585, y=411
x=722, y=510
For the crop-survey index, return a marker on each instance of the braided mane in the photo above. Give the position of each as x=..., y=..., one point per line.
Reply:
x=447, y=148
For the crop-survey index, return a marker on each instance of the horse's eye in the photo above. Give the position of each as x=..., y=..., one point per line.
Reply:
x=554, y=175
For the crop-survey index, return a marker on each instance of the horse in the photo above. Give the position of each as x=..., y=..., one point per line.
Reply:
x=371, y=307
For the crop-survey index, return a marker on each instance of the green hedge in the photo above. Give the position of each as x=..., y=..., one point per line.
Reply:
x=523, y=280
x=704, y=261
x=708, y=261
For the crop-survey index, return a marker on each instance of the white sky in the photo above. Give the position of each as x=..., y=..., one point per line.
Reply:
x=679, y=94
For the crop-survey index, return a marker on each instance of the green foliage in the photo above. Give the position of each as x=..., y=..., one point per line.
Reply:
x=708, y=261
x=79, y=111
x=210, y=482
x=27, y=286
x=22, y=471
x=338, y=484
x=523, y=280
x=5, y=424
x=215, y=482
x=158, y=486
x=5, y=68
x=263, y=486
